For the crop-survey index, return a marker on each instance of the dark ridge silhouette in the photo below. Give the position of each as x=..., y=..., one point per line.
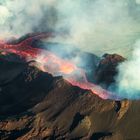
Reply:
x=97, y=136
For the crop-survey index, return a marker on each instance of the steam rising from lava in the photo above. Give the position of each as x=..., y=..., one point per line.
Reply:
x=48, y=62
x=128, y=80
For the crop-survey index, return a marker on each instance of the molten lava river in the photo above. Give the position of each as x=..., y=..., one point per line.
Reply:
x=49, y=62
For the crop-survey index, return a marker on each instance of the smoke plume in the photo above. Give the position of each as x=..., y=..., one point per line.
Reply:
x=96, y=26
x=128, y=80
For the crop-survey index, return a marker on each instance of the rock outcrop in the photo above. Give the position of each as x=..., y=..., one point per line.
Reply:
x=107, y=69
x=37, y=106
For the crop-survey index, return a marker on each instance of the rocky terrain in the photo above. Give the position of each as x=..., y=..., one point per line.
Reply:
x=37, y=106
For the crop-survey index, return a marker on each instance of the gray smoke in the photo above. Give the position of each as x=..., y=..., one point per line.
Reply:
x=96, y=26
x=19, y=17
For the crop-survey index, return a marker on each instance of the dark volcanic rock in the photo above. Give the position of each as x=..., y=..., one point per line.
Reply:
x=107, y=69
x=36, y=106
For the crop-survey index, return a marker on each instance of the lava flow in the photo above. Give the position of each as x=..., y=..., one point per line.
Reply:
x=49, y=62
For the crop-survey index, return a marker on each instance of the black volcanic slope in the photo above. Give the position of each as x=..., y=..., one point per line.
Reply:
x=36, y=106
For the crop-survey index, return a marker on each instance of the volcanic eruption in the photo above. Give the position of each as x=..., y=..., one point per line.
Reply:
x=69, y=69
x=48, y=62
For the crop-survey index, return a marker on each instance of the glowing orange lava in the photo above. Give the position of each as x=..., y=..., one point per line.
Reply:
x=49, y=62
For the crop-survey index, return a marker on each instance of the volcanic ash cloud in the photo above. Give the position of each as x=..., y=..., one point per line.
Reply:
x=128, y=79
x=96, y=26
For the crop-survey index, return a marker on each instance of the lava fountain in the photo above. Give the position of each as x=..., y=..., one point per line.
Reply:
x=49, y=62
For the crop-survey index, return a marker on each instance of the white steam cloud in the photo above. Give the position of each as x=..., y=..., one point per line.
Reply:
x=96, y=26
x=128, y=80
x=19, y=17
